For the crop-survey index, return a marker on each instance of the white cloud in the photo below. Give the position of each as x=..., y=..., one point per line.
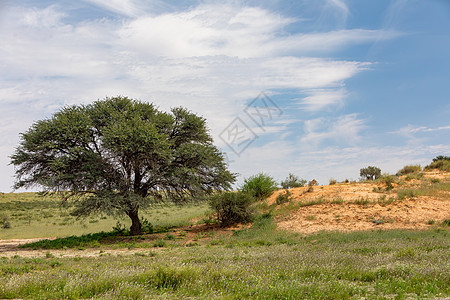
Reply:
x=211, y=58
x=422, y=134
x=344, y=130
x=245, y=32
x=323, y=98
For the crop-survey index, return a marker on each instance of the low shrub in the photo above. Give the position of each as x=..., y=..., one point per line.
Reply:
x=5, y=222
x=292, y=181
x=333, y=181
x=259, y=186
x=409, y=169
x=284, y=197
x=232, y=207
x=388, y=180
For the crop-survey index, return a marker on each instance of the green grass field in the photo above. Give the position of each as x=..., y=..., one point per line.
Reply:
x=259, y=262
x=32, y=216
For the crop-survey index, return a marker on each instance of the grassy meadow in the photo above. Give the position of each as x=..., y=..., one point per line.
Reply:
x=257, y=261
x=33, y=216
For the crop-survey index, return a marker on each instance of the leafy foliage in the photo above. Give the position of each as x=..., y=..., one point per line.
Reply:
x=370, y=173
x=292, y=181
x=409, y=169
x=259, y=186
x=232, y=207
x=440, y=162
x=120, y=155
x=441, y=157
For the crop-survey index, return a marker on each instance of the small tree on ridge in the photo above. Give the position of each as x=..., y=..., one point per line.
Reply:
x=370, y=173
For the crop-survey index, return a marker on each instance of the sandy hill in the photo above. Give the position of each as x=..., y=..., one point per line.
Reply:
x=416, y=201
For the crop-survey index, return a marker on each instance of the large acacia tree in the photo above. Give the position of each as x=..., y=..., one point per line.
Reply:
x=119, y=155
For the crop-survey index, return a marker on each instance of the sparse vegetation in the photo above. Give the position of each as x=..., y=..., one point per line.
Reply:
x=259, y=186
x=283, y=197
x=406, y=194
x=332, y=181
x=388, y=180
x=409, y=169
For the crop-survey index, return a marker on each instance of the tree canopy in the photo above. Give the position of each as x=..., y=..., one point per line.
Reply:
x=119, y=155
x=370, y=173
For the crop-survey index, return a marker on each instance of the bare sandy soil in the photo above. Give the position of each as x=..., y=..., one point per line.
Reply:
x=351, y=214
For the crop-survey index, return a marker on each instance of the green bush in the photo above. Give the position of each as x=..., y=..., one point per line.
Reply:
x=284, y=197
x=409, y=169
x=232, y=207
x=443, y=165
x=333, y=181
x=292, y=181
x=370, y=173
x=259, y=186
x=441, y=157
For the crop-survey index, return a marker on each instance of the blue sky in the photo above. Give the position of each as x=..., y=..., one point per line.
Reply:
x=316, y=88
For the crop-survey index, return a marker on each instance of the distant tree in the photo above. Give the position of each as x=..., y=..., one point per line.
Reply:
x=117, y=156
x=370, y=173
x=292, y=181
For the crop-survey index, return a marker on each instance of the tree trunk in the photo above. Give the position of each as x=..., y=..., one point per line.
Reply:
x=136, y=227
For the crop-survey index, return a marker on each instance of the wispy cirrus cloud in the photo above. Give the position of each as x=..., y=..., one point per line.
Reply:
x=130, y=8
x=319, y=99
x=417, y=133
